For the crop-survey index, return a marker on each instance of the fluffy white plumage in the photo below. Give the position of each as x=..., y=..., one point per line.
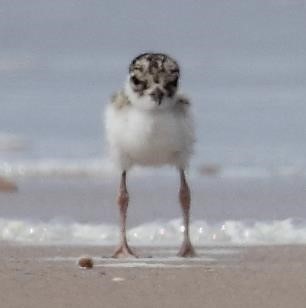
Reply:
x=141, y=132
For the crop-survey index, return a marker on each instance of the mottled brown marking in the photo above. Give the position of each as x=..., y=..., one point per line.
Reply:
x=120, y=100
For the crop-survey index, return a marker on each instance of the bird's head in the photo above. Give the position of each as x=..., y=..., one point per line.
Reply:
x=152, y=81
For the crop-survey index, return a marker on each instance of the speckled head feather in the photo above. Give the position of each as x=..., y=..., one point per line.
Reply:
x=154, y=74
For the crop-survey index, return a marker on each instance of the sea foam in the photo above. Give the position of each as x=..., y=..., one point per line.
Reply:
x=159, y=233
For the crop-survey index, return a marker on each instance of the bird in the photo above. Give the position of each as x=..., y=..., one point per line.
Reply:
x=149, y=122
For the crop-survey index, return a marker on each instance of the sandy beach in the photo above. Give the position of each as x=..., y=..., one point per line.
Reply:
x=219, y=277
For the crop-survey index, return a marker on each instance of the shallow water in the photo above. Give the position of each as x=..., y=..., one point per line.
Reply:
x=235, y=212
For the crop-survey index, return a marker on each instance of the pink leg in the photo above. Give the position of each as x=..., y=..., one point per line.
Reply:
x=186, y=249
x=123, y=249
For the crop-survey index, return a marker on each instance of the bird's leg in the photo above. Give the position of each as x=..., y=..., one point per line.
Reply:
x=123, y=249
x=186, y=249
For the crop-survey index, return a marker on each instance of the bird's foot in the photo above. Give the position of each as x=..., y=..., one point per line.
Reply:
x=186, y=250
x=124, y=251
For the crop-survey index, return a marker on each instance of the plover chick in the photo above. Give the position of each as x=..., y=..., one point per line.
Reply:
x=148, y=123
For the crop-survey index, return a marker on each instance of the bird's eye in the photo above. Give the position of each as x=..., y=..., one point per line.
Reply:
x=172, y=84
x=140, y=84
x=135, y=80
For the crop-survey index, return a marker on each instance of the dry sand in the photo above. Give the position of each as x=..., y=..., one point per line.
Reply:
x=246, y=277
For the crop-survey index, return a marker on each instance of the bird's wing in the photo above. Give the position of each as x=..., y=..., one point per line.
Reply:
x=182, y=103
x=119, y=100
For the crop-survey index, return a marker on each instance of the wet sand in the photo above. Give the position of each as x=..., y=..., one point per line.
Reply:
x=219, y=277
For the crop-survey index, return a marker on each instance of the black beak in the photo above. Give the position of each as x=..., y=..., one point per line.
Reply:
x=157, y=95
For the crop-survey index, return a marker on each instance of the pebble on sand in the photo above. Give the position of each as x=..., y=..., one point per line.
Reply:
x=86, y=262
